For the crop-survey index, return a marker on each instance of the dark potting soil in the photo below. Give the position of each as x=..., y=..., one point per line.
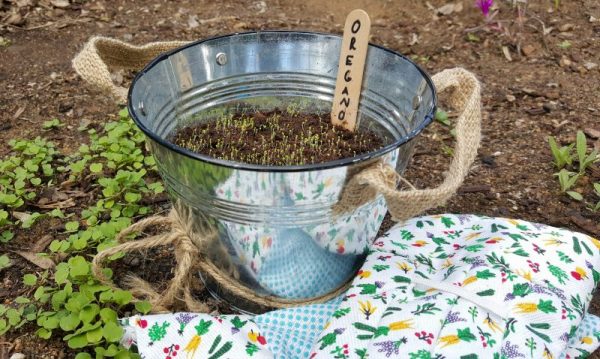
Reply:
x=276, y=138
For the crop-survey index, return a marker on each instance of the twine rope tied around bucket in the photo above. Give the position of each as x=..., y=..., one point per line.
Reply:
x=190, y=255
x=185, y=253
x=463, y=91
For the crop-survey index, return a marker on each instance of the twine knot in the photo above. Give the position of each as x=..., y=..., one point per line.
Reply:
x=191, y=255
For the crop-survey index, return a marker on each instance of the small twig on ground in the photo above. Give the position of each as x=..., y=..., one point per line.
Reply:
x=61, y=23
x=160, y=198
x=543, y=31
x=19, y=112
x=216, y=19
x=32, y=257
x=61, y=204
x=27, y=119
x=475, y=189
x=487, y=23
x=584, y=223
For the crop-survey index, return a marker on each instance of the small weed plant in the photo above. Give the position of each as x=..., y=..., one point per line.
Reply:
x=66, y=300
x=572, y=162
x=54, y=123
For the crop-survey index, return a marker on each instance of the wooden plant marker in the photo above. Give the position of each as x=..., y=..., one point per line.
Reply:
x=351, y=66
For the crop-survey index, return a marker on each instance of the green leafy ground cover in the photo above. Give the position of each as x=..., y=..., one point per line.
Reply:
x=66, y=300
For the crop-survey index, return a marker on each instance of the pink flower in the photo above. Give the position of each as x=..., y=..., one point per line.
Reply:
x=484, y=6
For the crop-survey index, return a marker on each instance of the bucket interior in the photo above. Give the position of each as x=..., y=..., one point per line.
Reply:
x=267, y=70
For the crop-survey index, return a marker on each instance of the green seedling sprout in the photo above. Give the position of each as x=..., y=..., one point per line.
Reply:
x=567, y=176
x=562, y=155
x=66, y=302
x=51, y=124
x=583, y=157
x=289, y=146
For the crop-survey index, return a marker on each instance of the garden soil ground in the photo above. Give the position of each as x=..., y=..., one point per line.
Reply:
x=540, y=76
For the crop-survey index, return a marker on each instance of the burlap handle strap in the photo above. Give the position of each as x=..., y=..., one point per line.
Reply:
x=465, y=97
x=93, y=62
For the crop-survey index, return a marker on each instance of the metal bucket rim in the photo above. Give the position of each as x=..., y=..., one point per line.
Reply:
x=265, y=168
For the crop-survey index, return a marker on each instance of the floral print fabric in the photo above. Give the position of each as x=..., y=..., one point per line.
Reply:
x=433, y=288
x=188, y=335
x=442, y=286
x=288, y=333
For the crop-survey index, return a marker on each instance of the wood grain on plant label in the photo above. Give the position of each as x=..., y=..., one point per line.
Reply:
x=355, y=44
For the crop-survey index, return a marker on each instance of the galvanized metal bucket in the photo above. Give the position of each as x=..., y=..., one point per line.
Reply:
x=277, y=230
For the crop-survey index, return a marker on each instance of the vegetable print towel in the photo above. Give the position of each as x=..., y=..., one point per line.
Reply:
x=436, y=287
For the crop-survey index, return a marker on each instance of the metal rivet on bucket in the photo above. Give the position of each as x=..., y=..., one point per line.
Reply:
x=221, y=58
